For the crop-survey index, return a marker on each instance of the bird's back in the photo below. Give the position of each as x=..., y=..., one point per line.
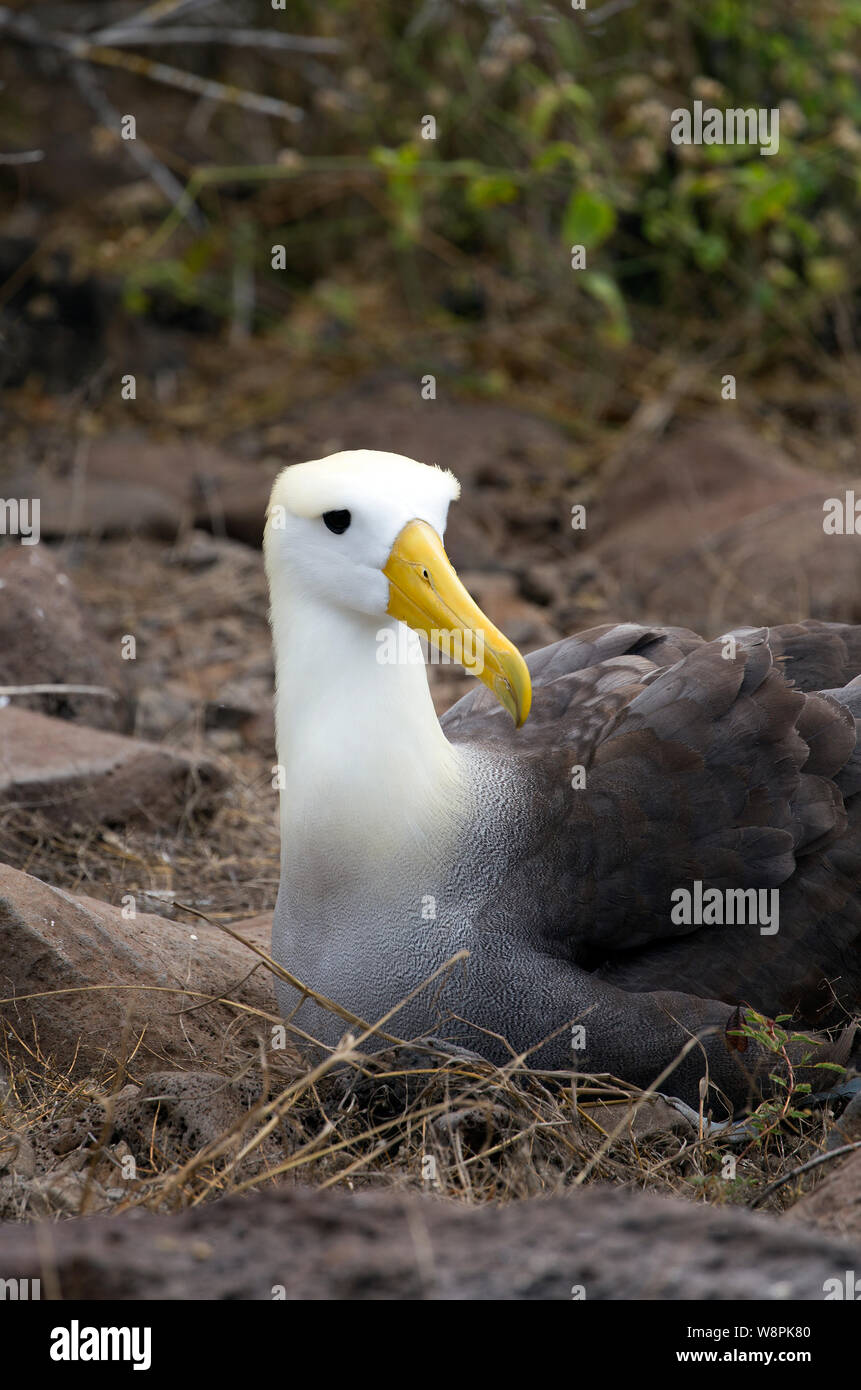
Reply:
x=659, y=761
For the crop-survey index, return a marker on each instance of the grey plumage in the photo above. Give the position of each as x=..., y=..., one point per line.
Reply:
x=730, y=770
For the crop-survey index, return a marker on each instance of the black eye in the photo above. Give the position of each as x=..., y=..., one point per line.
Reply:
x=337, y=521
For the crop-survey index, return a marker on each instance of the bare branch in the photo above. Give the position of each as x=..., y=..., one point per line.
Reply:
x=163, y=9
x=23, y=157
x=607, y=11
x=21, y=26
x=804, y=1168
x=201, y=33
x=8, y=690
x=138, y=149
x=190, y=82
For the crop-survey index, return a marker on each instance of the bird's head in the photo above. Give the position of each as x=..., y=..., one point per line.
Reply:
x=362, y=530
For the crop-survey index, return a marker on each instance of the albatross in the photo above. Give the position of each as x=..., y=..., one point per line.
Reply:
x=546, y=831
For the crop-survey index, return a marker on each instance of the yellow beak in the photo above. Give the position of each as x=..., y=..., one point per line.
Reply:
x=426, y=594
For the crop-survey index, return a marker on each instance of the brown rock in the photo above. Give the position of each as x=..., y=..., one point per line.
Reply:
x=246, y=704
x=114, y=968
x=497, y=594
x=384, y=1245
x=47, y=638
x=713, y=528
x=647, y=1120
x=17, y=1154
x=76, y=775
x=190, y=1109
x=847, y=1130
x=200, y=552
x=182, y=1111
x=125, y=486
x=167, y=709
x=517, y=470
x=237, y=508
x=72, y=506
x=834, y=1205
x=206, y=487
x=62, y=1192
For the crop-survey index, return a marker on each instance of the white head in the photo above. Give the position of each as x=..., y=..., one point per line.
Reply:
x=361, y=532
x=331, y=525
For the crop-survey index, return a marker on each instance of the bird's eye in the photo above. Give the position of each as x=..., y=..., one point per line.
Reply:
x=337, y=521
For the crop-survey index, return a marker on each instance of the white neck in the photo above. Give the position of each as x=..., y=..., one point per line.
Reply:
x=371, y=784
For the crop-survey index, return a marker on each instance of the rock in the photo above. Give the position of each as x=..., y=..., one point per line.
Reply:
x=98, y=507
x=47, y=638
x=336, y=1246
x=77, y=775
x=246, y=704
x=64, y=1133
x=200, y=551
x=17, y=1154
x=182, y=1111
x=847, y=1129
x=834, y=1205
x=164, y=710
x=189, y=1109
x=186, y=484
x=208, y=489
x=546, y=584
x=650, y=1119
x=712, y=527
x=113, y=968
x=238, y=508
x=62, y=1192
x=497, y=594
x=474, y=1127
x=242, y=706
x=517, y=470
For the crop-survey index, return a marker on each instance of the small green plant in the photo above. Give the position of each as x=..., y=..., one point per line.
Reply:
x=784, y=1046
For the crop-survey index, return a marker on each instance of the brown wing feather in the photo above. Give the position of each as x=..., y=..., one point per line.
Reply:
x=699, y=766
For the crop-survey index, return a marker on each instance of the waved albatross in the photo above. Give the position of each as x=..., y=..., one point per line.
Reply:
x=405, y=839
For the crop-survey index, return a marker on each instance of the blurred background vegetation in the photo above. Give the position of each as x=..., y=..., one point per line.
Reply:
x=451, y=255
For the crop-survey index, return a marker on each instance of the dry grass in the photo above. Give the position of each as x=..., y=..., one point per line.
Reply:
x=405, y=1118
x=226, y=867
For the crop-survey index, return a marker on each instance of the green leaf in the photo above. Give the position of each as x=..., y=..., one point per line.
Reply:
x=711, y=250
x=827, y=274
x=588, y=220
x=560, y=152
x=135, y=300
x=764, y=202
x=604, y=288
x=490, y=191
x=551, y=99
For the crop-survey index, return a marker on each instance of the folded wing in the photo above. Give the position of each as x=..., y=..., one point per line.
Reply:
x=735, y=764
